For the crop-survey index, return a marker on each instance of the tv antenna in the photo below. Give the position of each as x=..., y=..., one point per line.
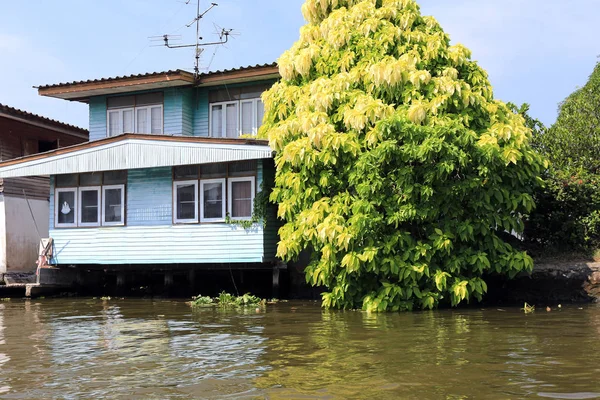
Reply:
x=168, y=39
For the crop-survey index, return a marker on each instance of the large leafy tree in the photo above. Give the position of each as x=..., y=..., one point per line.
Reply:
x=573, y=142
x=396, y=168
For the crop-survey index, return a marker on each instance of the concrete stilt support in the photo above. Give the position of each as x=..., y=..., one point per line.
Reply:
x=168, y=279
x=192, y=279
x=275, y=282
x=120, y=279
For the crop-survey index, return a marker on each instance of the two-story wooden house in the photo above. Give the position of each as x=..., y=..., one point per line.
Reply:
x=164, y=167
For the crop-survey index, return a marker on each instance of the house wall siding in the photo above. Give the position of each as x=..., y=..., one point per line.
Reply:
x=200, y=110
x=97, y=118
x=150, y=236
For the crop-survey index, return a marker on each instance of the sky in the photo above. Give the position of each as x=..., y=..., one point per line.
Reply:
x=535, y=51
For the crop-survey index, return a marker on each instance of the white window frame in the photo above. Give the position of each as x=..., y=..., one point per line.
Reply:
x=185, y=183
x=98, y=190
x=135, y=119
x=230, y=181
x=57, y=207
x=223, y=203
x=239, y=103
x=112, y=187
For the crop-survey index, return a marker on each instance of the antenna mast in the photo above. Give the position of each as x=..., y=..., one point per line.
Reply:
x=223, y=36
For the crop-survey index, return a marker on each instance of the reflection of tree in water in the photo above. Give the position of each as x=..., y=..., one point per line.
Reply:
x=444, y=354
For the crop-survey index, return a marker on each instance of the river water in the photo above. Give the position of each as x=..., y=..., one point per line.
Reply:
x=162, y=349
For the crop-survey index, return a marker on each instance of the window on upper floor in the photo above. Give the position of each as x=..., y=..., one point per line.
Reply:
x=236, y=111
x=141, y=113
x=90, y=200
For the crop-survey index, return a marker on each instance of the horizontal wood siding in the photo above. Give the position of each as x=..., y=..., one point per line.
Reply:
x=97, y=117
x=149, y=197
x=200, y=109
x=187, y=111
x=173, y=104
x=210, y=243
x=35, y=187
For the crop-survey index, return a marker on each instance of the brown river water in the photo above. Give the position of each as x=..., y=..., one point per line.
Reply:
x=162, y=349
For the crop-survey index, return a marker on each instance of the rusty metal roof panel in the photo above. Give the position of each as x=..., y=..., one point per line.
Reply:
x=15, y=112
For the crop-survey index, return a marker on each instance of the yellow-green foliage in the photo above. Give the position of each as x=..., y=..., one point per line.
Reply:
x=395, y=165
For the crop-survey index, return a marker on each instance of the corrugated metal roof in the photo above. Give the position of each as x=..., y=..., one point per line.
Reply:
x=239, y=69
x=135, y=151
x=15, y=112
x=153, y=74
x=116, y=78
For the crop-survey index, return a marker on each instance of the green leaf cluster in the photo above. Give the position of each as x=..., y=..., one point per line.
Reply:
x=395, y=165
x=567, y=216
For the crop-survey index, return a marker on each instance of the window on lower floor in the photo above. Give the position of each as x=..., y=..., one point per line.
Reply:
x=185, y=201
x=65, y=207
x=113, y=211
x=222, y=189
x=92, y=200
x=212, y=200
x=241, y=197
x=89, y=206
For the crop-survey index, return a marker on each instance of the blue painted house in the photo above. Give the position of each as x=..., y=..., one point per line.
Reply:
x=163, y=170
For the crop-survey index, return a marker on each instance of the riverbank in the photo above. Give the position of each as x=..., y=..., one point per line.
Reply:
x=550, y=283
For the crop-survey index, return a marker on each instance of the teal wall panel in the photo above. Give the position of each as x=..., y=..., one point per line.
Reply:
x=173, y=104
x=200, y=110
x=97, y=117
x=149, y=197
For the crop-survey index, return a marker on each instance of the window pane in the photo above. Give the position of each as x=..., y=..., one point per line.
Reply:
x=66, y=180
x=127, y=121
x=89, y=206
x=113, y=209
x=260, y=113
x=186, y=172
x=231, y=123
x=91, y=179
x=241, y=199
x=213, y=200
x=216, y=119
x=186, y=202
x=213, y=171
x=115, y=177
x=66, y=207
x=247, y=118
x=157, y=126
x=113, y=123
x=142, y=120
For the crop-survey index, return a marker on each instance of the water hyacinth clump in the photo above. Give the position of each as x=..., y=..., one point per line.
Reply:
x=396, y=166
x=228, y=300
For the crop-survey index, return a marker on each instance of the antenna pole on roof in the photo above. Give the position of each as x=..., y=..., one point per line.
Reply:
x=223, y=37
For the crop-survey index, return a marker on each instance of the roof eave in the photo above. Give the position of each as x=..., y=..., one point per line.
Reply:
x=83, y=91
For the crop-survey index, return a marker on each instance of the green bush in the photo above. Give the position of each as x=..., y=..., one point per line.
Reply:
x=567, y=215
